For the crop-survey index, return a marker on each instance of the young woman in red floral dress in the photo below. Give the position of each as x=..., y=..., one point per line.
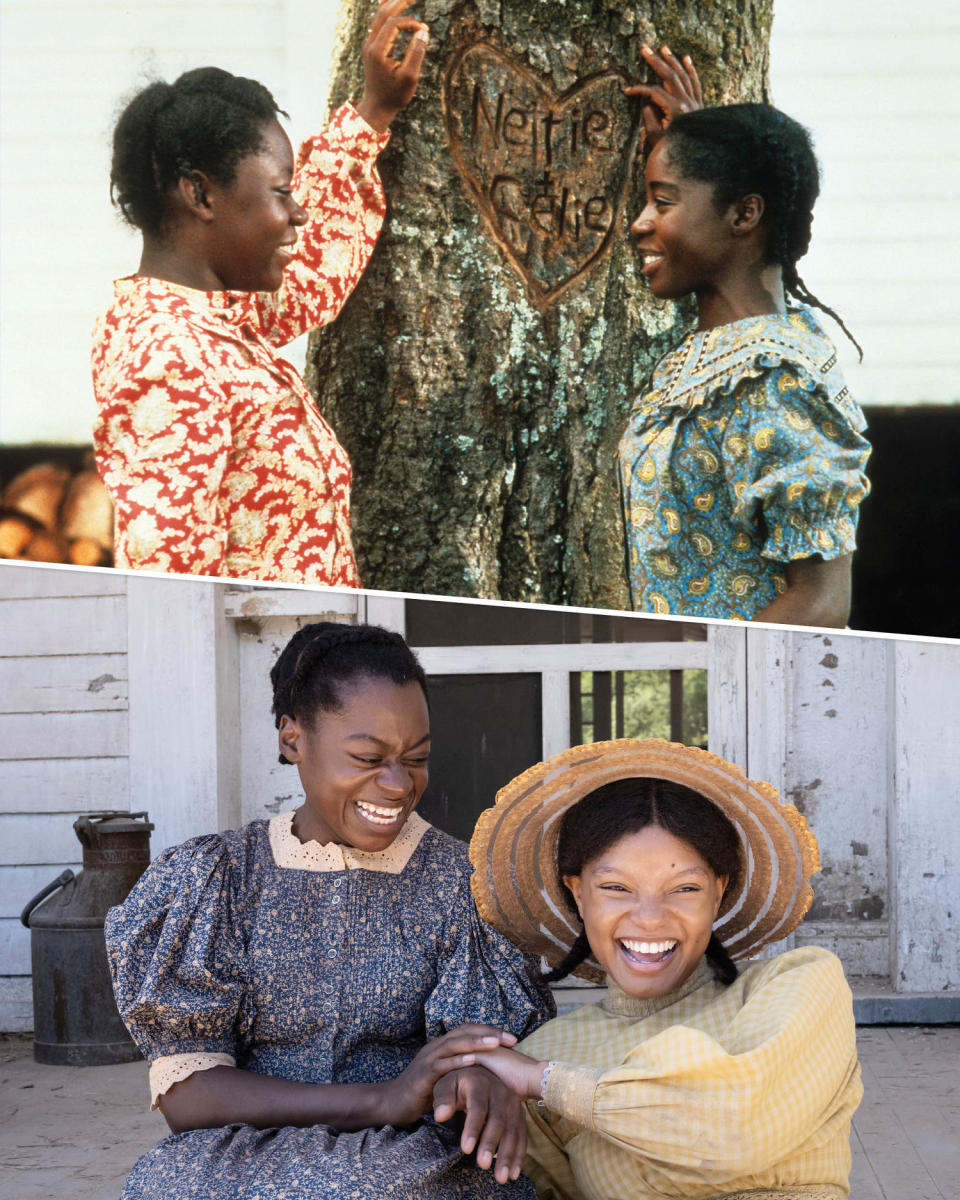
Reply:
x=216, y=456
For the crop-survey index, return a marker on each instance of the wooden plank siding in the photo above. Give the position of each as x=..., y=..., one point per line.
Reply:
x=158, y=698
x=63, y=739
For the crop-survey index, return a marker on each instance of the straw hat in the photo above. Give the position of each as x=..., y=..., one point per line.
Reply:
x=514, y=847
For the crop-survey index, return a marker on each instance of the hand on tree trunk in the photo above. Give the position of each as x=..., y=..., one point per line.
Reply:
x=389, y=84
x=680, y=92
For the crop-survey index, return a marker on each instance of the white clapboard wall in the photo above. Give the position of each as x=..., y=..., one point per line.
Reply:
x=881, y=93
x=138, y=692
x=64, y=736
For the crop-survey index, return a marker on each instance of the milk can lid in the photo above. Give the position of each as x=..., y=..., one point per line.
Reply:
x=114, y=821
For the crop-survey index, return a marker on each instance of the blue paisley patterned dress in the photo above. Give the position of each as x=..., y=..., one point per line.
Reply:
x=318, y=964
x=746, y=454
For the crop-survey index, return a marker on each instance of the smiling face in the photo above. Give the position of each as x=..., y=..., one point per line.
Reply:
x=648, y=904
x=363, y=766
x=252, y=221
x=686, y=242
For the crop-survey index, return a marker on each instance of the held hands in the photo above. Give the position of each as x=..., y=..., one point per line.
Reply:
x=680, y=92
x=390, y=83
x=494, y=1123
x=519, y=1072
x=405, y=1099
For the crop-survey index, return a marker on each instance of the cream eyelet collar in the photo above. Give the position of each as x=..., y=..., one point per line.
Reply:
x=290, y=853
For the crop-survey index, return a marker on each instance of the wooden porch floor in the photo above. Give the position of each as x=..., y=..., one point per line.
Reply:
x=68, y=1131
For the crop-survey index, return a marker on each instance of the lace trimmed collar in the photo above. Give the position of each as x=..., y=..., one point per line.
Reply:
x=289, y=852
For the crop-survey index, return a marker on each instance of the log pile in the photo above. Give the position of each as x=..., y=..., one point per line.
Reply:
x=51, y=514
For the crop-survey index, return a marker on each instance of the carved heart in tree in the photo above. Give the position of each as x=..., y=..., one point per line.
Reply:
x=547, y=172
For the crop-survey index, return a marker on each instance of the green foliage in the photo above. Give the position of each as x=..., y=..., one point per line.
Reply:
x=646, y=706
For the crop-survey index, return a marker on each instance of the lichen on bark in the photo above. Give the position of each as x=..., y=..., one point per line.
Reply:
x=482, y=419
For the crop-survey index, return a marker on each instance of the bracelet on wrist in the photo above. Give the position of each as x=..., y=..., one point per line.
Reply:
x=541, y=1103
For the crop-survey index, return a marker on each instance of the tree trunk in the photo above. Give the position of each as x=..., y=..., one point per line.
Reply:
x=481, y=374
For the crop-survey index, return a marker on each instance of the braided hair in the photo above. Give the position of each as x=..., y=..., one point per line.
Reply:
x=206, y=120
x=626, y=806
x=744, y=149
x=319, y=658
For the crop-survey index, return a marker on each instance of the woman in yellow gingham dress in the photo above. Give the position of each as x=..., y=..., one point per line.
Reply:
x=691, y=1077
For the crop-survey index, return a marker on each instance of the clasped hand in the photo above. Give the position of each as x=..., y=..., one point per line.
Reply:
x=444, y=1076
x=492, y=1094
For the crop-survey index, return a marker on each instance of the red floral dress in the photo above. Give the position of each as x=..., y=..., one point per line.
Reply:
x=216, y=456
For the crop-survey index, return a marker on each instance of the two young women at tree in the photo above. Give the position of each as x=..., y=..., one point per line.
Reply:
x=741, y=468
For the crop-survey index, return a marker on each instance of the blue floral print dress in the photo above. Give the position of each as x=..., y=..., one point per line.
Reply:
x=319, y=964
x=746, y=454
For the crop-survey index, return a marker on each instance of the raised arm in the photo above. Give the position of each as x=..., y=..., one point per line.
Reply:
x=389, y=83
x=338, y=185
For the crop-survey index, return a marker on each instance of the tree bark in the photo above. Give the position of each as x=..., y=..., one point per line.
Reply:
x=481, y=374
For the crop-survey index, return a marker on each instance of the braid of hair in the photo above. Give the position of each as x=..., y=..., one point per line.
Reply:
x=789, y=231
x=793, y=219
x=320, y=656
x=754, y=148
x=312, y=645
x=136, y=180
x=724, y=969
x=794, y=285
x=578, y=953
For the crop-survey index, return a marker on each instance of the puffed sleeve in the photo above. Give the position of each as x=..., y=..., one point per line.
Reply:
x=175, y=949
x=338, y=184
x=484, y=977
x=713, y=1107
x=795, y=456
x=162, y=441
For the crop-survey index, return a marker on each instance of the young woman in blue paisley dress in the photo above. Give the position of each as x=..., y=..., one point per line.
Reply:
x=310, y=990
x=742, y=466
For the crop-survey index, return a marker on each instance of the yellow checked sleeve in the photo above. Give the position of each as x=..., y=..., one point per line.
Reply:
x=758, y=1086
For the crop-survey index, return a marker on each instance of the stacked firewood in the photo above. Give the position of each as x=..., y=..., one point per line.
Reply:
x=49, y=513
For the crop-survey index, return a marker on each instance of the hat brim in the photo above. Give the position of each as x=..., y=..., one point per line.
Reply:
x=514, y=847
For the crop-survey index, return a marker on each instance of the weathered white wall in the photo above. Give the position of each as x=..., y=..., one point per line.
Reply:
x=879, y=88
x=925, y=830
x=131, y=692
x=878, y=83
x=831, y=759
x=63, y=739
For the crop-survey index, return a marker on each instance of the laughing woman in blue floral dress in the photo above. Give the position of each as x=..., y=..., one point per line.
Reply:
x=307, y=989
x=742, y=467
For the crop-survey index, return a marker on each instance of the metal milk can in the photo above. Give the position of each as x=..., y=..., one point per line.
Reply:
x=75, y=1017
